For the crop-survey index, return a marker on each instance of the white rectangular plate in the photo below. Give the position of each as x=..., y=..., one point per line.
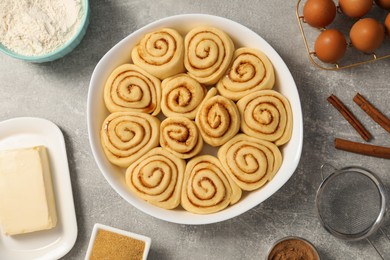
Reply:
x=48, y=244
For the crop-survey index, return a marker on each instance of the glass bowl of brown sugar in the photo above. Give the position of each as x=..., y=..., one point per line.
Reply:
x=111, y=243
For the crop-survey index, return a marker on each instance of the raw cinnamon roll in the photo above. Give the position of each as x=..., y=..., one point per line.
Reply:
x=130, y=88
x=250, y=71
x=218, y=119
x=157, y=177
x=181, y=96
x=249, y=161
x=160, y=53
x=208, y=52
x=126, y=136
x=206, y=187
x=266, y=114
x=180, y=136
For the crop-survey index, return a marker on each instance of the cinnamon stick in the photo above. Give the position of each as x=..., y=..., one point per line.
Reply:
x=349, y=117
x=366, y=149
x=372, y=111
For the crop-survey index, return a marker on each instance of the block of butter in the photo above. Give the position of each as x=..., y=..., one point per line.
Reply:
x=27, y=201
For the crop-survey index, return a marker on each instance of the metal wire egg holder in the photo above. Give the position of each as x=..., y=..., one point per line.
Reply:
x=335, y=66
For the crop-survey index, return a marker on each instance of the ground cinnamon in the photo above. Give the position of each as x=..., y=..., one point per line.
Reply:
x=112, y=246
x=366, y=149
x=372, y=111
x=293, y=249
x=350, y=117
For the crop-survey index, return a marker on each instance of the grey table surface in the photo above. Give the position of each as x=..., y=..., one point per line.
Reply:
x=58, y=92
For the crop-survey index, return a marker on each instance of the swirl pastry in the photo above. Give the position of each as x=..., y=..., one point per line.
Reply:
x=181, y=96
x=206, y=186
x=157, y=177
x=160, y=53
x=249, y=161
x=130, y=88
x=250, y=71
x=126, y=136
x=208, y=53
x=266, y=114
x=180, y=136
x=218, y=119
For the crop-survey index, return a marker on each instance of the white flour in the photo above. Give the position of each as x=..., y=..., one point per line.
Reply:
x=37, y=27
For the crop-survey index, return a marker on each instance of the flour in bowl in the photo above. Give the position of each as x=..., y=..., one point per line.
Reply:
x=38, y=27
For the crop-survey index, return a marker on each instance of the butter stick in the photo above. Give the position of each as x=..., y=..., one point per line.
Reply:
x=27, y=201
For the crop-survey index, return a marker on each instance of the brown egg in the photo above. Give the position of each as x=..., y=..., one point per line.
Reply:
x=367, y=35
x=330, y=46
x=387, y=24
x=319, y=13
x=385, y=4
x=355, y=8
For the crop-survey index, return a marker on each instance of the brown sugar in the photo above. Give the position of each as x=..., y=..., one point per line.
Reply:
x=109, y=245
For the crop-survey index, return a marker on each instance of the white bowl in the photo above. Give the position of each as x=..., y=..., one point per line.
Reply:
x=242, y=36
x=98, y=227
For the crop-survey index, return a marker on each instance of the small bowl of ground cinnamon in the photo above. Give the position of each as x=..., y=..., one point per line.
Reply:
x=115, y=244
x=293, y=248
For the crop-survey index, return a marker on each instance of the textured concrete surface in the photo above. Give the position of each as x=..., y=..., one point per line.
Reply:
x=58, y=91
